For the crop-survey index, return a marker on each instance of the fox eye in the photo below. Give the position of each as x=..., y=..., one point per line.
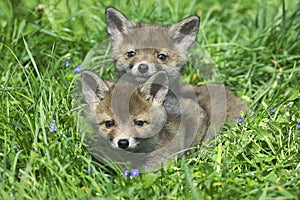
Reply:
x=130, y=54
x=109, y=123
x=162, y=56
x=139, y=123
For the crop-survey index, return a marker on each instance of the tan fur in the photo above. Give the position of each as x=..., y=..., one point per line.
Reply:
x=221, y=105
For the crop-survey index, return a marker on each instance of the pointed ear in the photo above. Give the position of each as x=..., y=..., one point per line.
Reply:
x=94, y=89
x=117, y=23
x=184, y=33
x=156, y=87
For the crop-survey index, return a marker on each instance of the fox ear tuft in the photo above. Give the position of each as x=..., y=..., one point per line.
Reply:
x=117, y=23
x=184, y=33
x=94, y=88
x=156, y=87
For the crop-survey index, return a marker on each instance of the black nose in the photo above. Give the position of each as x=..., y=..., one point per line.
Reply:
x=143, y=68
x=123, y=143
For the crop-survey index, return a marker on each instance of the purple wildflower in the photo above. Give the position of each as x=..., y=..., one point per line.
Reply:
x=272, y=111
x=240, y=120
x=134, y=172
x=53, y=127
x=78, y=69
x=89, y=170
x=126, y=173
x=16, y=147
x=298, y=125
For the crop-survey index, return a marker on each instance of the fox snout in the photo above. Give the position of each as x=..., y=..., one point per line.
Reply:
x=123, y=143
x=143, y=68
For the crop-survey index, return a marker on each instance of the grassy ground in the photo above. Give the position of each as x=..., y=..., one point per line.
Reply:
x=256, y=47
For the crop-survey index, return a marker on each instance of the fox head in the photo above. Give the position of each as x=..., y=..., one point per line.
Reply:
x=142, y=49
x=130, y=117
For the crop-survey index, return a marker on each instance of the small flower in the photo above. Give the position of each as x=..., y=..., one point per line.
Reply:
x=78, y=69
x=126, y=173
x=240, y=120
x=288, y=104
x=53, y=127
x=66, y=63
x=134, y=172
x=272, y=111
x=89, y=170
x=298, y=125
x=16, y=147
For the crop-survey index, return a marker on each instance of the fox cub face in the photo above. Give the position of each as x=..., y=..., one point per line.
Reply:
x=129, y=117
x=142, y=49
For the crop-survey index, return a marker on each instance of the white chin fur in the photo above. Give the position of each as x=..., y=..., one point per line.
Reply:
x=142, y=79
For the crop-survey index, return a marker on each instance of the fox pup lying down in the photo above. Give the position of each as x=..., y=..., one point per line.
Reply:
x=132, y=119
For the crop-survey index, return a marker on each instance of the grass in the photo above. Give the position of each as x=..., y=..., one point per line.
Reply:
x=256, y=48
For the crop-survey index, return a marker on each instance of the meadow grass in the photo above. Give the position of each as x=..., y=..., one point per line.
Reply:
x=256, y=49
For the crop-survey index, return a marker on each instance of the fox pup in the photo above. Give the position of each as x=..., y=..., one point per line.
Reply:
x=132, y=118
x=140, y=50
x=143, y=49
